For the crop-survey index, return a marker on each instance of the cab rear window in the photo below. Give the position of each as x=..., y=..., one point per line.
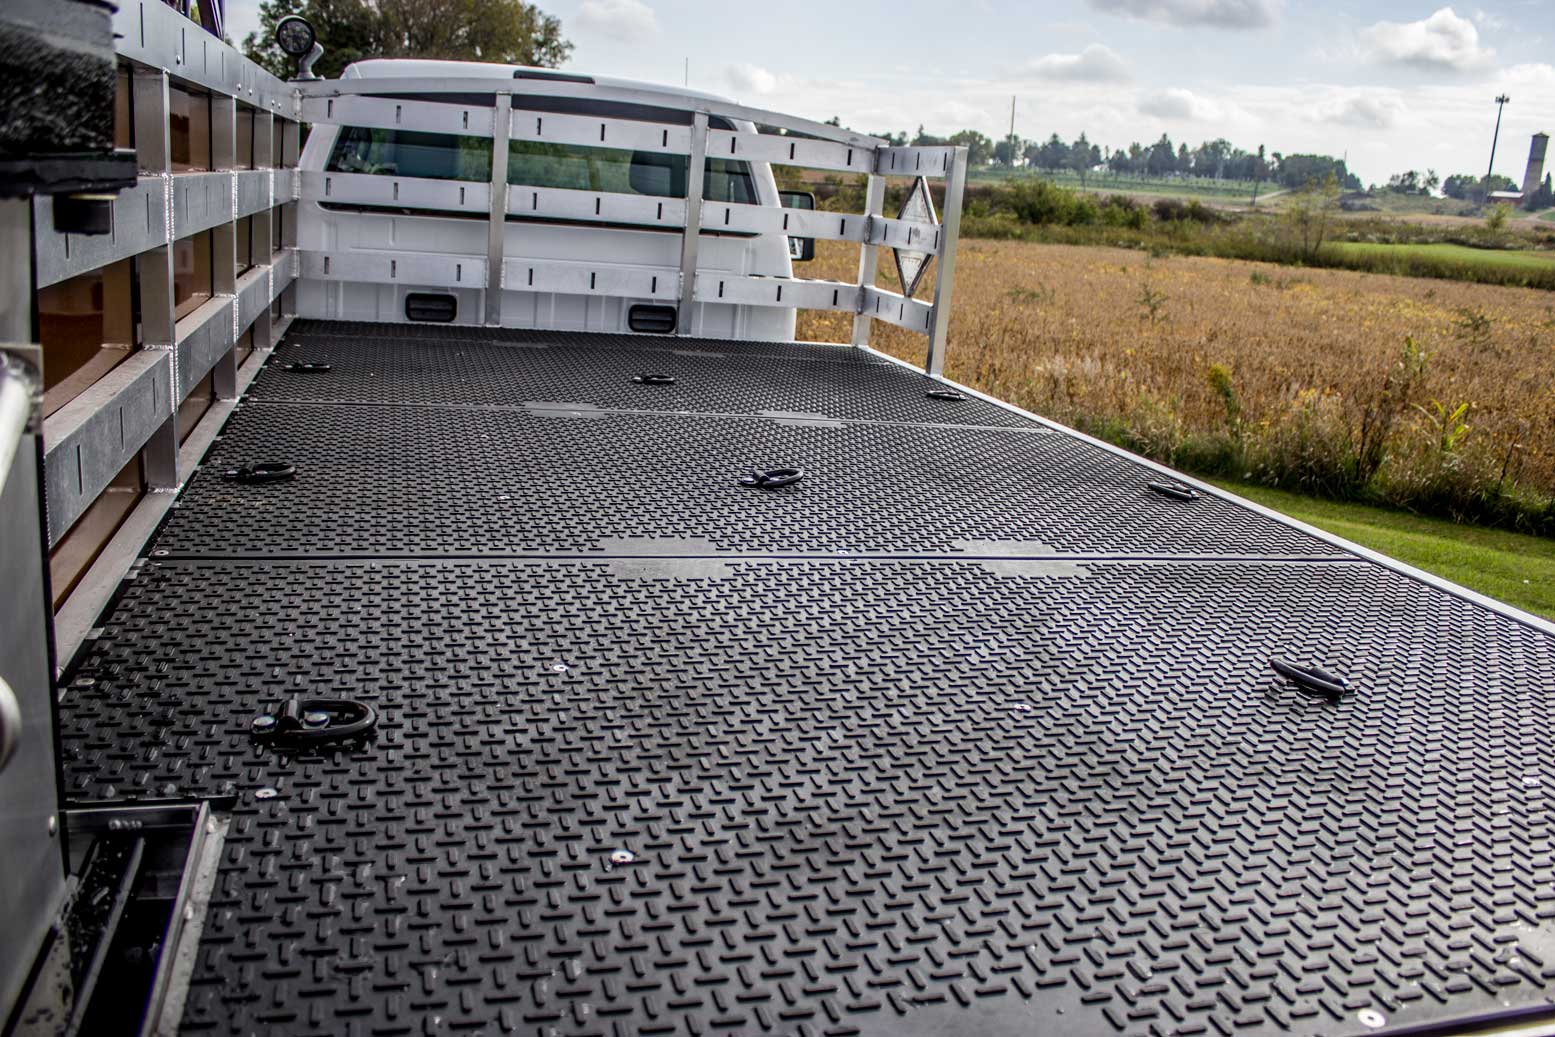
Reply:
x=448, y=156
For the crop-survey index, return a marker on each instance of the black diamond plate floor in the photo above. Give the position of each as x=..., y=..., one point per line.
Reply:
x=688, y=785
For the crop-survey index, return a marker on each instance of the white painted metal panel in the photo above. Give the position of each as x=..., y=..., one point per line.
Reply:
x=935, y=162
x=912, y=314
x=789, y=150
x=411, y=268
x=621, y=94
x=396, y=192
x=389, y=114
x=913, y=234
x=602, y=207
x=582, y=278
x=776, y=291
x=596, y=132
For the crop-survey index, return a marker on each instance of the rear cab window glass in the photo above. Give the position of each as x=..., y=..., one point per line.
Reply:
x=447, y=156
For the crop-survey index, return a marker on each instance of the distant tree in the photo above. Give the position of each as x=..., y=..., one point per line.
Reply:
x=925, y=140
x=1210, y=158
x=1184, y=163
x=504, y=31
x=896, y=140
x=1260, y=169
x=1083, y=157
x=1163, y=157
x=1459, y=185
x=1297, y=171
x=1003, y=149
x=1309, y=213
x=979, y=149
x=1408, y=182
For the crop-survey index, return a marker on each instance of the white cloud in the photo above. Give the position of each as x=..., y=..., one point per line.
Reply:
x=1094, y=64
x=1442, y=41
x=1532, y=75
x=751, y=79
x=1485, y=19
x=1224, y=14
x=1364, y=111
x=627, y=20
x=1181, y=104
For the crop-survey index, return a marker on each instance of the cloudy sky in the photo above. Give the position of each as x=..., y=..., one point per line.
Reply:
x=1392, y=83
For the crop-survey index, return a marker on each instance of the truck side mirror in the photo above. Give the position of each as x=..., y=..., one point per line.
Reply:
x=799, y=249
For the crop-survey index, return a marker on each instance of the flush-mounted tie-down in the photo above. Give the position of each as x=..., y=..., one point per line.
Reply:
x=949, y=395
x=262, y=471
x=1174, y=490
x=1311, y=681
x=654, y=379
x=772, y=478
x=308, y=367
x=314, y=722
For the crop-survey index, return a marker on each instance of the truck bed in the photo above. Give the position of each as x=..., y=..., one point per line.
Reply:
x=970, y=731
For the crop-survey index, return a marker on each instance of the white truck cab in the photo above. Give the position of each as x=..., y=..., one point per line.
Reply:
x=541, y=177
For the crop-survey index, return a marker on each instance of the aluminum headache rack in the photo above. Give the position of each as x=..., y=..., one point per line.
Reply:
x=794, y=142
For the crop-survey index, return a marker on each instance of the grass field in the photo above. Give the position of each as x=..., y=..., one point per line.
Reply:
x=1514, y=568
x=1434, y=395
x=1524, y=260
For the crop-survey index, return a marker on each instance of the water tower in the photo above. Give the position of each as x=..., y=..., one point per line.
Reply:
x=1535, y=174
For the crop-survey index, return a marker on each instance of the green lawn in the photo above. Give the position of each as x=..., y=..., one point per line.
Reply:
x=1534, y=261
x=1517, y=569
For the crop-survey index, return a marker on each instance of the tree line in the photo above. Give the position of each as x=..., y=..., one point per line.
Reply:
x=1217, y=159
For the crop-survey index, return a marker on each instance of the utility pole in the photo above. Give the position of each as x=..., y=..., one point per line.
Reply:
x=1500, y=104
x=688, y=72
x=1012, y=133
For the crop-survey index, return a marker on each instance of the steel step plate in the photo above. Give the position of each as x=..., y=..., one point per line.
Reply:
x=970, y=731
x=709, y=377
x=841, y=797
x=395, y=480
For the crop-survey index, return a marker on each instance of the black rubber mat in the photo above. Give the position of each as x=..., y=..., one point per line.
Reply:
x=841, y=797
x=823, y=383
x=395, y=480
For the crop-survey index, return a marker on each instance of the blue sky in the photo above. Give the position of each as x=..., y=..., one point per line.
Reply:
x=1393, y=84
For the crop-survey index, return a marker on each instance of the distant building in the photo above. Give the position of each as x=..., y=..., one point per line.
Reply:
x=1535, y=172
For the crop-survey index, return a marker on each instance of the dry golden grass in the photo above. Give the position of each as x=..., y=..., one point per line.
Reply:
x=1282, y=371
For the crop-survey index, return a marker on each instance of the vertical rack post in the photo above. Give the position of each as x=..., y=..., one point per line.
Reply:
x=224, y=236
x=496, y=232
x=154, y=267
x=869, y=255
x=945, y=276
x=695, y=165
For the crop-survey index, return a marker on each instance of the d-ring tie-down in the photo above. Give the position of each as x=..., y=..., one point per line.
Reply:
x=262, y=471
x=1311, y=681
x=773, y=478
x=313, y=722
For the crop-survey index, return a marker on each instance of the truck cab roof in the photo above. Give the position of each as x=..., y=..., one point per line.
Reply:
x=423, y=68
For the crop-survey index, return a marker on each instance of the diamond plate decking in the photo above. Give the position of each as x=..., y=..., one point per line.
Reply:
x=1018, y=783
